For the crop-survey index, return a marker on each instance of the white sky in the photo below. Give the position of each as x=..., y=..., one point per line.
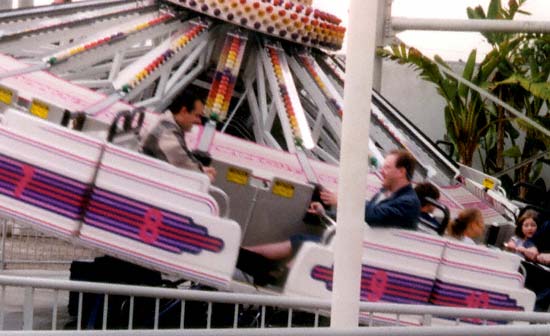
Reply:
x=449, y=45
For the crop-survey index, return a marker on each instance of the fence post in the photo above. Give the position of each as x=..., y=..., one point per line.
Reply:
x=4, y=223
x=427, y=320
x=28, y=308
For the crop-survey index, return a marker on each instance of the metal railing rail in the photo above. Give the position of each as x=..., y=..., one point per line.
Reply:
x=471, y=25
x=31, y=286
x=531, y=330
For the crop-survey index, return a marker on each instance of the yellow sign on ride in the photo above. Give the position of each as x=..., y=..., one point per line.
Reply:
x=39, y=109
x=283, y=189
x=6, y=96
x=237, y=176
x=488, y=183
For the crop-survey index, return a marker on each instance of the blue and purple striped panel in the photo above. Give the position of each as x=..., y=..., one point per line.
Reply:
x=42, y=188
x=453, y=295
x=157, y=227
x=378, y=284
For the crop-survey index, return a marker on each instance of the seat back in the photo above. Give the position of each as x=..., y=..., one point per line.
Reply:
x=47, y=172
x=410, y=267
x=397, y=266
x=478, y=277
x=143, y=166
x=168, y=227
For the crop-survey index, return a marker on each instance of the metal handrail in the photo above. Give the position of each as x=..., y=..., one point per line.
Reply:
x=471, y=25
x=373, y=331
x=268, y=300
x=226, y=208
x=446, y=215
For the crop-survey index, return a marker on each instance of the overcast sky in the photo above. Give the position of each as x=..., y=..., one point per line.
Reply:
x=451, y=46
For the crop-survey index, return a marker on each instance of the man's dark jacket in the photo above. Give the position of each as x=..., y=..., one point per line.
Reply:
x=400, y=210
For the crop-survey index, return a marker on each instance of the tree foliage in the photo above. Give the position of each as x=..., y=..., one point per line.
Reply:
x=517, y=70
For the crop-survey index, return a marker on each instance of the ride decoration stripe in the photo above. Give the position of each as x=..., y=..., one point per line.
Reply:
x=450, y=294
x=157, y=227
x=42, y=188
x=378, y=284
x=147, y=259
x=453, y=295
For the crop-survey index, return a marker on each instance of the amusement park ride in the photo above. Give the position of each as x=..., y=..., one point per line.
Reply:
x=80, y=81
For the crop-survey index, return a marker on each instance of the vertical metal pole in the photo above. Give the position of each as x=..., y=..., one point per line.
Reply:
x=353, y=163
x=209, y=316
x=4, y=224
x=157, y=312
x=262, y=318
x=28, y=309
x=131, y=314
x=35, y=243
x=79, y=314
x=182, y=315
x=289, y=322
x=380, y=35
x=236, y=316
x=105, y=311
x=2, y=307
x=54, y=311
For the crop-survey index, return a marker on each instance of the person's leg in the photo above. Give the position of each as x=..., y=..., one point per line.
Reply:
x=543, y=300
x=285, y=249
x=273, y=251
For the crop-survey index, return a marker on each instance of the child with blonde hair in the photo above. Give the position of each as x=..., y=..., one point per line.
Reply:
x=467, y=226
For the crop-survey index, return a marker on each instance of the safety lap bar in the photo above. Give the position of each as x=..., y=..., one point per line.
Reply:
x=225, y=208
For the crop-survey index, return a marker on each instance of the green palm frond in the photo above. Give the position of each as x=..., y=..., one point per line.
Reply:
x=540, y=90
x=465, y=115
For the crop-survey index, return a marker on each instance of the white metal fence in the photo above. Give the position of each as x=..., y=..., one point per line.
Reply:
x=46, y=307
x=31, y=304
x=532, y=330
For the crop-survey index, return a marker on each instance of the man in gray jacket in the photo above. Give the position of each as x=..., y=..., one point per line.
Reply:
x=166, y=141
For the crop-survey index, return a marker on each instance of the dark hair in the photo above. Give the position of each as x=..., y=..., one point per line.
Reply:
x=404, y=159
x=462, y=221
x=526, y=215
x=426, y=189
x=187, y=100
